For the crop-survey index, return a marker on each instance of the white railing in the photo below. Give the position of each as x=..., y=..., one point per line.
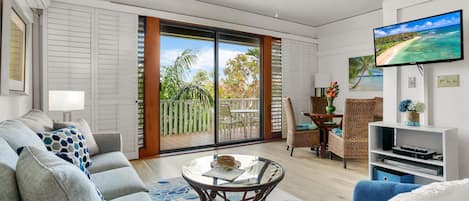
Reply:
x=180, y=117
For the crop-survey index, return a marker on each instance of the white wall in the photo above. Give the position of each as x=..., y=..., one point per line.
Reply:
x=447, y=106
x=342, y=40
x=299, y=63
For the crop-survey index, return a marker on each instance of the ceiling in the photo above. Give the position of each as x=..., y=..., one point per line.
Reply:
x=312, y=13
x=308, y=12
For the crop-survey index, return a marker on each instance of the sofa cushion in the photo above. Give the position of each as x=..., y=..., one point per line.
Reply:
x=85, y=129
x=134, y=197
x=37, y=121
x=41, y=175
x=108, y=161
x=118, y=182
x=18, y=135
x=8, y=158
x=67, y=140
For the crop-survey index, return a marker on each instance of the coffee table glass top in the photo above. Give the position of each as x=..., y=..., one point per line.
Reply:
x=258, y=171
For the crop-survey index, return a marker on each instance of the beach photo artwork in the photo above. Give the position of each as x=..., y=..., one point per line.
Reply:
x=430, y=39
x=364, y=75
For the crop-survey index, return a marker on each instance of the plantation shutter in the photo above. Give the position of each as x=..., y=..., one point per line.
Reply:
x=276, y=85
x=94, y=50
x=140, y=68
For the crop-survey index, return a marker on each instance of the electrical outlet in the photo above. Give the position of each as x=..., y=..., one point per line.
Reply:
x=412, y=82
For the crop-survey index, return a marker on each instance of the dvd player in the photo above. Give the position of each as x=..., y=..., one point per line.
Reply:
x=415, y=152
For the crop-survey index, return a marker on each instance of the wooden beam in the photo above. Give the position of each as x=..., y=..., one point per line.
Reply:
x=151, y=88
x=267, y=84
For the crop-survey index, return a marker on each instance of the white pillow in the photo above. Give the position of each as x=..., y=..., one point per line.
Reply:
x=438, y=191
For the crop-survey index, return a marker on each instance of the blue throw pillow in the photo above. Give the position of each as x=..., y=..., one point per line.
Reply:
x=306, y=126
x=67, y=140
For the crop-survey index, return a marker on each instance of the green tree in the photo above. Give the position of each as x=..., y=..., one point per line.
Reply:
x=242, y=76
x=173, y=76
x=358, y=67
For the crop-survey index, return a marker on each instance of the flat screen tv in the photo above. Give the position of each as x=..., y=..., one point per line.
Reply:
x=433, y=39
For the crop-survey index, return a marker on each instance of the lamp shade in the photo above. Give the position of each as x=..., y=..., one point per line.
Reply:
x=66, y=100
x=322, y=80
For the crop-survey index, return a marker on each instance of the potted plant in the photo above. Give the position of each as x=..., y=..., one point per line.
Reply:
x=413, y=111
x=332, y=93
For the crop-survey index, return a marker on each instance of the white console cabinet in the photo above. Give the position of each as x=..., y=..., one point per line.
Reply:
x=441, y=140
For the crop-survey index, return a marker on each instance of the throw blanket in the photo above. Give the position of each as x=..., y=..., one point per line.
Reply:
x=439, y=191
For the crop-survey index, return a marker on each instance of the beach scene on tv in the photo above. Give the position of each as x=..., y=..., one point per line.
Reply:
x=430, y=39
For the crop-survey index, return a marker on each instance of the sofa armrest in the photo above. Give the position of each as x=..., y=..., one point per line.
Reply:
x=108, y=142
x=379, y=190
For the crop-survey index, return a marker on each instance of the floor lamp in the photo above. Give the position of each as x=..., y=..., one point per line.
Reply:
x=66, y=102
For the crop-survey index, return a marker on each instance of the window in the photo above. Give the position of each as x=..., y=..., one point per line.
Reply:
x=276, y=85
x=140, y=96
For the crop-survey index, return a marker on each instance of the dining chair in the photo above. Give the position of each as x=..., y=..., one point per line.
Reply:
x=227, y=121
x=296, y=136
x=318, y=104
x=352, y=141
x=378, y=115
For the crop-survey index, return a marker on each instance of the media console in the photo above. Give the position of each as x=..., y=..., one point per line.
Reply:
x=442, y=140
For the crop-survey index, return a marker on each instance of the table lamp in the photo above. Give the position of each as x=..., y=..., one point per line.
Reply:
x=66, y=102
x=321, y=81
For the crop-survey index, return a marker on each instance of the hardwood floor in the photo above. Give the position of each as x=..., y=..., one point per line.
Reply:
x=307, y=176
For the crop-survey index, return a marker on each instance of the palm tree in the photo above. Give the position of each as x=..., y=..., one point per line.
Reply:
x=359, y=66
x=173, y=85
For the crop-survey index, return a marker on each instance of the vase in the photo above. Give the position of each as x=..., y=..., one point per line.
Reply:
x=413, y=119
x=330, y=108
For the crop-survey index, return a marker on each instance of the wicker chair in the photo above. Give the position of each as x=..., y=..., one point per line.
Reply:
x=318, y=104
x=378, y=116
x=308, y=138
x=353, y=144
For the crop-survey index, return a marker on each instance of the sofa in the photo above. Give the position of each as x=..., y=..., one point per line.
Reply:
x=380, y=190
x=110, y=171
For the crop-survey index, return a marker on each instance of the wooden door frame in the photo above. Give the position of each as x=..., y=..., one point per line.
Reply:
x=151, y=80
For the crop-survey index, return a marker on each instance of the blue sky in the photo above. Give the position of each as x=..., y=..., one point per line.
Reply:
x=420, y=25
x=171, y=47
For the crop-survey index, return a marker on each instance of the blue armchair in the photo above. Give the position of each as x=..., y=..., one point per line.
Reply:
x=380, y=190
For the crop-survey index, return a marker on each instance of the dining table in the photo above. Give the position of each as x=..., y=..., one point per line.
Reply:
x=325, y=123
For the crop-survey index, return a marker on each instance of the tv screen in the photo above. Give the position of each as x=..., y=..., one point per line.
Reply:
x=433, y=39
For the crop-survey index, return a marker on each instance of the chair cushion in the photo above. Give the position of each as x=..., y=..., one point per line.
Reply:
x=134, y=197
x=306, y=126
x=67, y=140
x=118, y=182
x=18, y=135
x=37, y=121
x=8, y=158
x=108, y=161
x=337, y=131
x=41, y=175
x=85, y=129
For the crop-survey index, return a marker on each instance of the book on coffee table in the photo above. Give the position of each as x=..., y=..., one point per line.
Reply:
x=228, y=174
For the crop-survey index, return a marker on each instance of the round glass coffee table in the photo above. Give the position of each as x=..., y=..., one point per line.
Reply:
x=259, y=178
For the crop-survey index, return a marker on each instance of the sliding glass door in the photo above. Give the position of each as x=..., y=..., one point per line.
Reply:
x=238, y=88
x=210, y=87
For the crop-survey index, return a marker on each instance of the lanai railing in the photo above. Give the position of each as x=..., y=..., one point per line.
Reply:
x=182, y=117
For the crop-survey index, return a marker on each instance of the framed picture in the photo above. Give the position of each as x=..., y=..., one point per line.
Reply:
x=363, y=74
x=16, y=67
x=16, y=48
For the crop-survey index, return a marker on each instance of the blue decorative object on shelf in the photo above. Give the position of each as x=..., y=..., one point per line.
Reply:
x=380, y=174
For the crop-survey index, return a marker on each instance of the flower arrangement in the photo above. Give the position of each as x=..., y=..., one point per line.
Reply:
x=413, y=110
x=409, y=106
x=331, y=93
x=332, y=90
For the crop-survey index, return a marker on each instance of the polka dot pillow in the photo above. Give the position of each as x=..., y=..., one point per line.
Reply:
x=67, y=140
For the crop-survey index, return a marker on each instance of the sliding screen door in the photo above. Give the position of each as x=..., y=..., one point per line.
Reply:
x=239, y=79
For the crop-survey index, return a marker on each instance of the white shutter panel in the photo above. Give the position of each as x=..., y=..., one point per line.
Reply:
x=68, y=53
x=116, y=92
x=95, y=50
